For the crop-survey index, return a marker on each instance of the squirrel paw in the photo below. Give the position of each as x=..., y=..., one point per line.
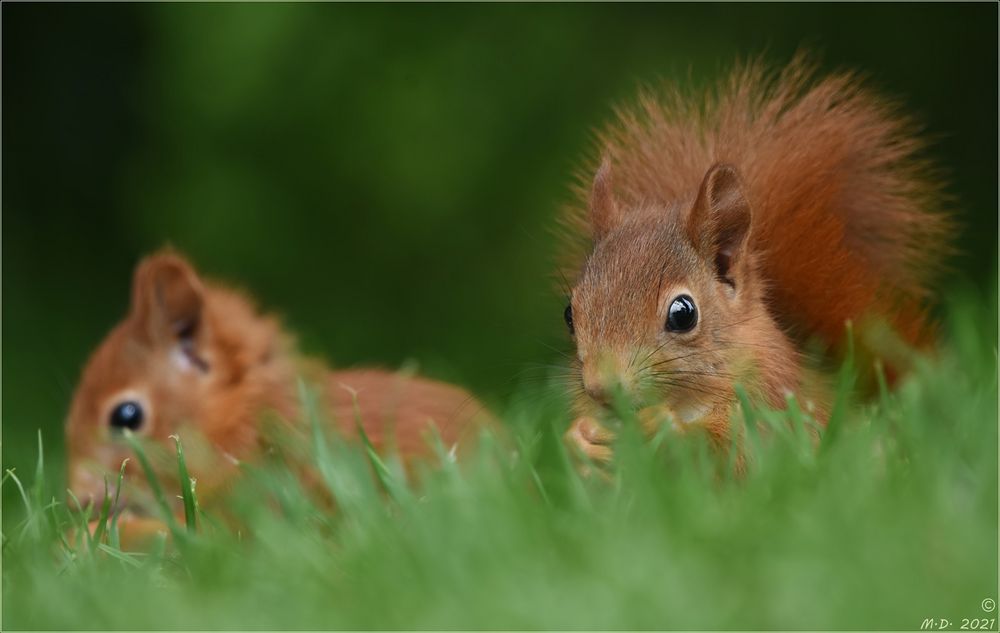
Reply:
x=590, y=438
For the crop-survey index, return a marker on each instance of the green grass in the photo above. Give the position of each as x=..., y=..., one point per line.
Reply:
x=892, y=521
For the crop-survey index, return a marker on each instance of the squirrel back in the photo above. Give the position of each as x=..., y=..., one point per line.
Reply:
x=847, y=216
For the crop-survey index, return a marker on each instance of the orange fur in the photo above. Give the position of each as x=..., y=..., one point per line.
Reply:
x=808, y=194
x=205, y=365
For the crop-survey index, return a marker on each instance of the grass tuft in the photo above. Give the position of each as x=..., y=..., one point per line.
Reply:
x=892, y=521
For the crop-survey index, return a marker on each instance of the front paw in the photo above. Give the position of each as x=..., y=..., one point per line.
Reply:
x=588, y=436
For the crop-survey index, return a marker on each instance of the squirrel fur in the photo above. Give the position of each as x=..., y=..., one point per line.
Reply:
x=784, y=204
x=198, y=360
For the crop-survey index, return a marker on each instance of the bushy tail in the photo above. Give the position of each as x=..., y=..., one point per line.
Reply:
x=848, y=217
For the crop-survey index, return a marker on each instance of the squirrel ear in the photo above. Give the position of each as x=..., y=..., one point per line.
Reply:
x=719, y=222
x=167, y=298
x=604, y=209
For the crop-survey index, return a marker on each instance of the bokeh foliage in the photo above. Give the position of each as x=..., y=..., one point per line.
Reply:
x=384, y=176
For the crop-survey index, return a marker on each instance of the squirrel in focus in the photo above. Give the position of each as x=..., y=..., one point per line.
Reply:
x=729, y=237
x=196, y=359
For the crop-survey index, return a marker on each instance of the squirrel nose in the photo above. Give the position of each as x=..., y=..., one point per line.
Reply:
x=598, y=391
x=602, y=378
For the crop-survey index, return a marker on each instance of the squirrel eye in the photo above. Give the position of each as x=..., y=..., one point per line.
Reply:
x=682, y=314
x=568, y=316
x=127, y=415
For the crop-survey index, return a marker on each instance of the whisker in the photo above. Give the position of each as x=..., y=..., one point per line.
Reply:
x=725, y=345
x=681, y=357
x=694, y=387
x=692, y=372
x=693, y=384
x=561, y=352
x=658, y=348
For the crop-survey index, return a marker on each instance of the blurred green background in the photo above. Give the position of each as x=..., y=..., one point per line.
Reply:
x=384, y=176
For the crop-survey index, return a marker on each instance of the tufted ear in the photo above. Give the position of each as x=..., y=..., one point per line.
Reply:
x=719, y=222
x=167, y=299
x=605, y=212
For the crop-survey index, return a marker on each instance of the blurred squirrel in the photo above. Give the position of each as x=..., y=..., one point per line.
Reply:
x=196, y=359
x=730, y=234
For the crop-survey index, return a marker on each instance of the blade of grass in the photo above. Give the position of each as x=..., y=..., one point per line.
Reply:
x=846, y=378
x=124, y=557
x=382, y=473
x=113, y=534
x=524, y=449
x=883, y=385
x=187, y=488
x=799, y=424
x=83, y=536
x=20, y=488
x=350, y=488
x=102, y=518
x=154, y=485
x=750, y=445
x=38, y=486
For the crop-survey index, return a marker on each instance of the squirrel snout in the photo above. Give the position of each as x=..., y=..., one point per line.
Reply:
x=605, y=375
x=598, y=391
x=602, y=386
x=87, y=486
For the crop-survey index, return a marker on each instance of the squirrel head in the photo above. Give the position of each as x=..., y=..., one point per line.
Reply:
x=666, y=295
x=189, y=359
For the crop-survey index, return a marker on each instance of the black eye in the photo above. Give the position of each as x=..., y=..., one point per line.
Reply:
x=682, y=315
x=568, y=316
x=127, y=415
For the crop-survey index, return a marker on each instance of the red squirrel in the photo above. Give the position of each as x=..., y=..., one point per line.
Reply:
x=729, y=231
x=196, y=359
